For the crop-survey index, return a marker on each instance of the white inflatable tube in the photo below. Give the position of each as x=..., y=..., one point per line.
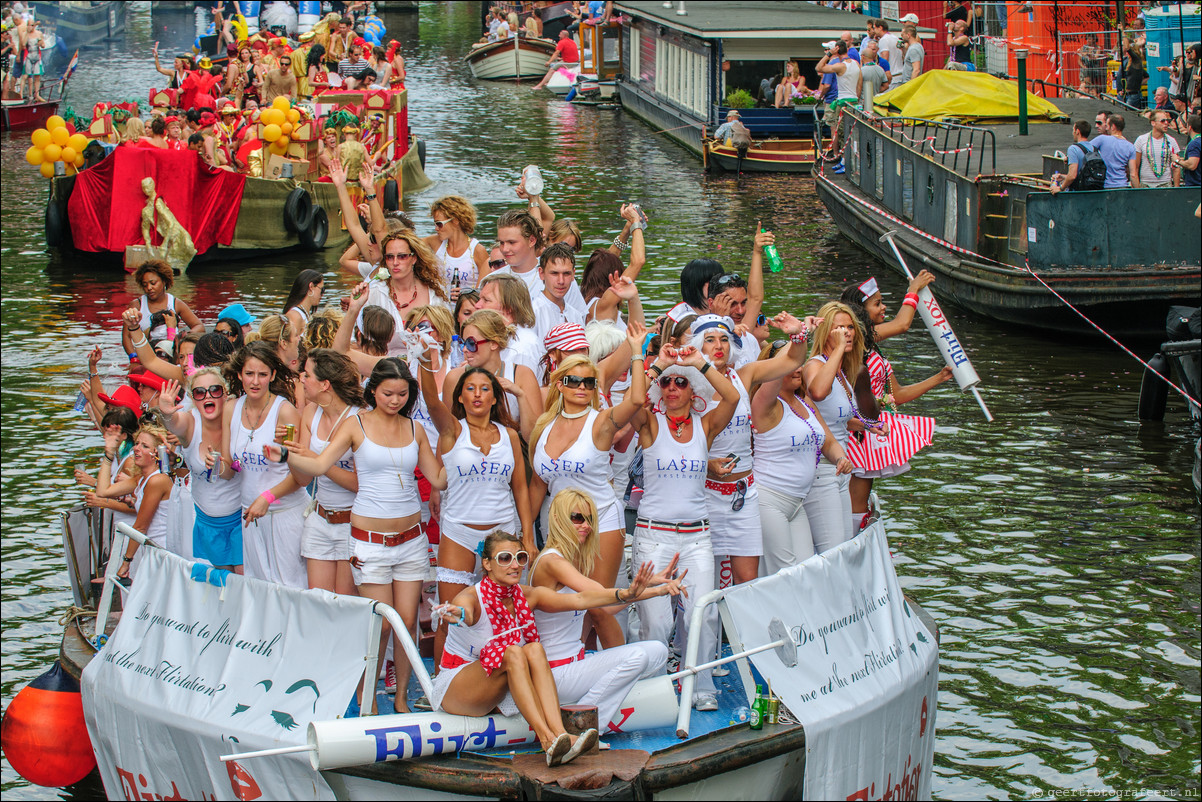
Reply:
x=376, y=739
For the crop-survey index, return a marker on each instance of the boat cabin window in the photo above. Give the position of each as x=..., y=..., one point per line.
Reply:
x=1018, y=225
x=907, y=177
x=869, y=161
x=951, y=208
x=878, y=186
x=635, y=55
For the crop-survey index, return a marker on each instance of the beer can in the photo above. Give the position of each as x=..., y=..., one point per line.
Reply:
x=772, y=710
x=290, y=431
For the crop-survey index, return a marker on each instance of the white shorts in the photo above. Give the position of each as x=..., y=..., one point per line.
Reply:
x=383, y=565
x=470, y=538
x=735, y=534
x=322, y=540
x=442, y=681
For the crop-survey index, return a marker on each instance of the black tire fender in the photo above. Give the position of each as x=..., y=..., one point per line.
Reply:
x=315, y=235
x=421, y=152
x=56, y=225
x=1153, y=392
x=392, y=195
x=298, y=211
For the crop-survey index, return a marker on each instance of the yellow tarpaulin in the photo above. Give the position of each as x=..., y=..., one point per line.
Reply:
x=968, y=96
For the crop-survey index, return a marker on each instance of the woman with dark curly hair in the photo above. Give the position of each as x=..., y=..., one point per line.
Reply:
x=158, y=310
x=273, y=502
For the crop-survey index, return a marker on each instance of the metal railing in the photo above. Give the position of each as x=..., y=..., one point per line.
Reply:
x=939, y=141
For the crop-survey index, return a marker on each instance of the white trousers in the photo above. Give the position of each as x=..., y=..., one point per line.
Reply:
x=604, y=678
x=828, y=506
x=271, y=546
x=787, y=536
x=655, y=615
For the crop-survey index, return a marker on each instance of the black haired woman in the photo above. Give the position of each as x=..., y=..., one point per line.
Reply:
x=304, y=296
x=158, y=310
x=273, y=502
x=389, y=558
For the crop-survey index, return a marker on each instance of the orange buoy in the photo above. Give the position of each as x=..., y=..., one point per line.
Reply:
x=43, y=733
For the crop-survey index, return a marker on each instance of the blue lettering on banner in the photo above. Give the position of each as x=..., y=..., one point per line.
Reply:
x=487, y=738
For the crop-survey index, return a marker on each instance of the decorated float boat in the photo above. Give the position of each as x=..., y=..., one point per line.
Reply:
x=515, y=57
x=972, y=205
x=105, y=210
x=18, y=114
x=207, y=686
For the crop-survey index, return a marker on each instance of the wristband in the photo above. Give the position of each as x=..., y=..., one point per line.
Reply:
x=127, y=559
x=142, y=343
x=621, y=246
x=706, y=367
x=618, y=596
x=370, y=198
x=638, y=358
x=110, y=457
x=799, y=338
x=658, y=370
x=911, y=300
x=170, y=332
x=267, y=494
x=283, y=454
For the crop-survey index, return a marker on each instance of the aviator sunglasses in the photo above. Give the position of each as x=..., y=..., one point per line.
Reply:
x=740, y=498
x=679, y=381
x=503, y=558
x=587, y=382
x=214, y=391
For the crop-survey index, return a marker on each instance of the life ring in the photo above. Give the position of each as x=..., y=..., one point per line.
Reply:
x=392, y=195
x=314, y=236
x=298, y=211
x=56, y=226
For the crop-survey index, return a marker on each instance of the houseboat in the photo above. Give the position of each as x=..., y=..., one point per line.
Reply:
x=974, y=207
x=680, y=64
x=78, y=24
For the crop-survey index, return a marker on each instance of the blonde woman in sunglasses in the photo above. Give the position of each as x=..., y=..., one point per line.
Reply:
x=569, y=448
x=494, y=657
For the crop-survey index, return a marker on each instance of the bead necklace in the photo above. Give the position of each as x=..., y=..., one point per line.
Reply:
x=1164, y=156
x=851, y=399
x=236, y=463
x=808, y=422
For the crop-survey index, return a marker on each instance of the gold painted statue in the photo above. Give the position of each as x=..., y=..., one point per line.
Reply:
x=177, y=248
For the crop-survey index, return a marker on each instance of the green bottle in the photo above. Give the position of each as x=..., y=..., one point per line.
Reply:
x=773, y=256
x=756, y=719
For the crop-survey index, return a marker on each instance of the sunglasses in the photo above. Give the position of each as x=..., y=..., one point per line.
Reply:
x=776, y=346
x=440, y=223
x=215, y=391
x=504, y=558
x=424, y=326
x=728, y=278
x=399, y=257
x=740, y=498
x=469, y=293
x=496, y=264
x=587, y=382
x=679, y=381
x=471, y=344
x=230, y=334
x=579, y=517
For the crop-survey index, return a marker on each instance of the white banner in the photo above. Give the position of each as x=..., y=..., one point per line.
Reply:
x=867, y=671
x=195, y=671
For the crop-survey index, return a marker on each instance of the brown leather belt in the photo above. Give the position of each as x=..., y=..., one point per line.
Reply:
x=387, y=538
x=334, y=516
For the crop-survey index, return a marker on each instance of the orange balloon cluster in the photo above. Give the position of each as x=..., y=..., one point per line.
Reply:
x=278, y=120
x=56, y=143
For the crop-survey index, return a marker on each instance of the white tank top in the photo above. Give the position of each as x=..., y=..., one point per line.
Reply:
x=217, y=498
x=159, y=332
x=837, y=408
x=330, y=494
x=847, y=81
x=674, y=476
x=421, y=414
x=736, y=437
x=304, y=315
x=464, y=264
x=478, y=484
x=559, y=632
x=787, y=455
x=467, y=642
x=156, y=530
x=259, y=474
x=582, y=465
x=387, y=485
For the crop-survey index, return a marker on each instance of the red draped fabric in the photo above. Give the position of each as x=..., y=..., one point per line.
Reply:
x=105, y=208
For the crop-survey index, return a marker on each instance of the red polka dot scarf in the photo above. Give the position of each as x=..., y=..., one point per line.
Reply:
x=508, y=628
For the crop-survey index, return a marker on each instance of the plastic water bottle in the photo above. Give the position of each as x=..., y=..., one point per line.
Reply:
x=773, y=256
x=81, y=402
x=456, y=351
x=742, y=715
x=534, y=180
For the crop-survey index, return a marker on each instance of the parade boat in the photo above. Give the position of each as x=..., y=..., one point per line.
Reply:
x=109, y=212
x=516, y=57
x=19, y=114
x=971, y=203
x=83, y=22
x=215, y=685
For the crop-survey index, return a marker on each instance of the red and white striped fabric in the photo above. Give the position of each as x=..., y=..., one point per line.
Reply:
x=907, y=434
x=878, y=372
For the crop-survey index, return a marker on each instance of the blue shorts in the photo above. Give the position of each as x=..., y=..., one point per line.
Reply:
x=218, y=540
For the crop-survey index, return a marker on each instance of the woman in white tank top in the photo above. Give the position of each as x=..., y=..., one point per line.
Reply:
x=389, y=549
x=217, y=532
x=569, y=447
x=460, y=258
x=149, y=487
x=672, y=515
x=302, y=299
x=332, y=386
x=836, y=358
x=790, y=440
x=273, y=502
x=155, y=277
x=485, y=335
x=494, y=652
x=484, y=474
x=603, y=678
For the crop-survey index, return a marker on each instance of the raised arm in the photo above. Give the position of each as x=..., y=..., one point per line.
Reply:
x=904, y=393
x=547, y=599
x=607, y=425
x=146, y=355
x=105, y=486
x=755, y=274
x=350, y=215
x=179, y=422
x=786, y=361
x=444, y=421
x=905, y=315
x=716, y=419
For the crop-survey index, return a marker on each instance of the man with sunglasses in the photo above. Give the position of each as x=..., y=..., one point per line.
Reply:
x=557, y=269
x=280, y=82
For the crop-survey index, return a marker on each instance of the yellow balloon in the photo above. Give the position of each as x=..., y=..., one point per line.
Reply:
x=286, y=128
x=55, y=122
x=60, y=136
x=68, y=155
x=277, y=148
x=282, y=142
x=79, y=160
x=52, y=153
x=70, y=170
x=34, y=155
x=47, y=170
x=278, y=117
x=293, y=116
x=281, y=103
x=271, y=132
x=40, y=138
x=78, y=142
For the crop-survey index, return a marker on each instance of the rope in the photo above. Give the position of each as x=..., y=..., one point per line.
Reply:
x=1125, y=349
x=74, y=614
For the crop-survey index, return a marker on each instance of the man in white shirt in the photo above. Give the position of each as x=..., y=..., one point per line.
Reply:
x=507, y=296
x=557, y=269
x=890, y=46
x=520, y=238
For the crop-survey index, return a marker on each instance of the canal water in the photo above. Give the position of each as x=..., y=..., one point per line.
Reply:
x=1058, y=547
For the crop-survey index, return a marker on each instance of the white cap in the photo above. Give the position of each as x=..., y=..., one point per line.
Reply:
x=910, y=18
x=732, y=113
x=830, y=44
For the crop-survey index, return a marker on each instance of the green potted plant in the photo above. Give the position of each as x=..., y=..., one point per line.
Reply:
x=740, y=99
